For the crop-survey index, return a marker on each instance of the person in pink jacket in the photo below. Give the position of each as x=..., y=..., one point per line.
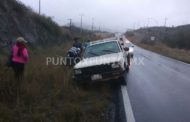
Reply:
x=19, y=57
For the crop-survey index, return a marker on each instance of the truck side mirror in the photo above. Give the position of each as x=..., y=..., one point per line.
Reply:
x=126, y=49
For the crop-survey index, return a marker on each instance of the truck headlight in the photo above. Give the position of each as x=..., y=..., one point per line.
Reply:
x=78, y=71
x=115, y=65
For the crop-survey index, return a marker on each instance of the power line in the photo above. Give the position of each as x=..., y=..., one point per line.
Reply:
x=81, y=23
x=165, y=21
x=152, y=21
x=70, y=23
x=148, y=21
x=39, y=6
x=92, y=24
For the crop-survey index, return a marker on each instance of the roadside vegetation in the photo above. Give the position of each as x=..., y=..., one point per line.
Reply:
x=176, y=53
x=171, y=42
x=49, y=93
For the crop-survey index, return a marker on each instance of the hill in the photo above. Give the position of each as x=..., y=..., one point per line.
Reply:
x=175, y=37
x=47, y=92
x=173, y=42
x=19, y=20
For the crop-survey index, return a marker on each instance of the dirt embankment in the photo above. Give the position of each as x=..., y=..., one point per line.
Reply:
x=19, y=20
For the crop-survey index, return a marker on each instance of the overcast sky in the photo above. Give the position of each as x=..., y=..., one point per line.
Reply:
x=116, y=15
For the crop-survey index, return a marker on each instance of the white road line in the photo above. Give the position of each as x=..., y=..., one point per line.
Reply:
x=127, y=105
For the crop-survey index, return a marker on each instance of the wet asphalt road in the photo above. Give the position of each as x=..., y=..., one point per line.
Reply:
x=159, y=88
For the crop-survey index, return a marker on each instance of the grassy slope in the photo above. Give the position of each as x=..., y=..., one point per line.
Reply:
x=49, y=94
x=179, y=54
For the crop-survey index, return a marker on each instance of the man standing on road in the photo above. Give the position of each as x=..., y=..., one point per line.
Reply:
x=121, y=41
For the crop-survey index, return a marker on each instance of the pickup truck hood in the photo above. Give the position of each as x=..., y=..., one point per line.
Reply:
x=99, y=60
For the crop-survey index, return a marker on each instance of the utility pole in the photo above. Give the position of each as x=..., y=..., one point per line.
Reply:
x=165, y=21
x=81, y=23
x=70, y=23
x=39, y=6
x=148, y=21
x=92, y=24
x=134, y=26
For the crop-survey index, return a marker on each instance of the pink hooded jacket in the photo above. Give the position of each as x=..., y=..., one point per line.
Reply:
x=19, y=59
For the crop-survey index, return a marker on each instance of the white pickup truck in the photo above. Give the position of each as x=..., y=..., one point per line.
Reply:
x=102, y=60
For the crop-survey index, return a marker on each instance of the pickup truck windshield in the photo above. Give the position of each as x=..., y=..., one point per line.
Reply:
x=101, y=49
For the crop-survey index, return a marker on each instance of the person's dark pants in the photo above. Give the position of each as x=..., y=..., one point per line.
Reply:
x=18, y=69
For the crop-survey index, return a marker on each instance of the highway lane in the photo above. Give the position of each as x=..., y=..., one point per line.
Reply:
x=159, y=89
